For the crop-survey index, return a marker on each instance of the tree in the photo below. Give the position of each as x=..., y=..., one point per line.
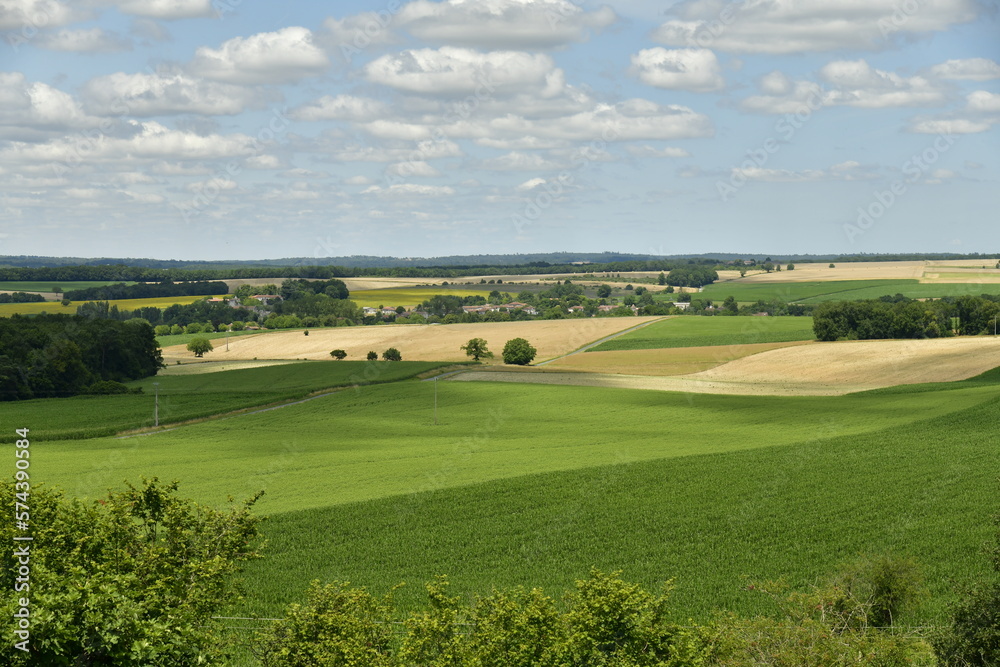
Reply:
x=768, y=267
x=661, y=279
x=392, y=354
x=730, y=305
x=519, y=352
x=200, y=346
x=628, y=287
x=338, y=354
x=372, y=355
x=476, y=348
x=790, y=267
x=832, y=265
x=130, y=579
x=604, y=291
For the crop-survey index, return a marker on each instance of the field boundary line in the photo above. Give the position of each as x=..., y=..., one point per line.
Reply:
x=603, y=340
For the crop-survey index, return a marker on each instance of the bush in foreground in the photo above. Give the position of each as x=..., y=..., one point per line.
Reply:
x=130, y=579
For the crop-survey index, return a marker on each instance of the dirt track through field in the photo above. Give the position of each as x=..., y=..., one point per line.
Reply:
x=416, y=342
x=820, y=369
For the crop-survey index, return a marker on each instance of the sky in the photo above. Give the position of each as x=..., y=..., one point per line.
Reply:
x=245, y=129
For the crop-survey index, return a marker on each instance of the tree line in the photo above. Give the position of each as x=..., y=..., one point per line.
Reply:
x=21, y=297
x=63, y=355
x=901, y=317
x=147, y=291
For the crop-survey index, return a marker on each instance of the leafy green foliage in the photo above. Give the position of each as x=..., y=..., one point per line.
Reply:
x=477, y=349
x=200, y=346
x=338, y=354
x=127, y=580
x=392, y=354
x=518, y=351
x=372, y=355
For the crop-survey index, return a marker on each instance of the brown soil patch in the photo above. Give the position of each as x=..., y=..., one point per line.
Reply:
x=416, y=342
x=818, y=369
x=669, y=361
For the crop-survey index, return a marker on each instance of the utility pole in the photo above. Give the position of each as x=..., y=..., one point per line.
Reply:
x=156, y=404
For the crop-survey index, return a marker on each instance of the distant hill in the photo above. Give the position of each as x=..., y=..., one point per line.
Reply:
x=460, y=261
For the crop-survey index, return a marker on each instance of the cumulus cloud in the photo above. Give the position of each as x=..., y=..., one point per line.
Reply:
x=145, y=94
x=650, y=152
x=518, y=161
x=36, y=14
x=968, y=69
x=790, y=26
x=409, y=190
x=861, y=85
x=459, y=71
x=696, y=70
x=503, y=24
x=340, y=107
x=417, y=168
x=845, y=171
x=982, y=100
x=283, y=56
x=91, y=40
x=424, y=150
x=167, y=9
x=848, y=83
x=29, y=110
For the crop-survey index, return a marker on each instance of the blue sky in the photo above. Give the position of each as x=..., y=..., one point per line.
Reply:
x=241, y=129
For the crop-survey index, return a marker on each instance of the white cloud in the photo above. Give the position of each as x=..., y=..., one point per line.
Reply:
x=264, y=162
x=353, y=34
x=459, y=71
x=91, y=40
x=145, y=95
x=283, y=56
x=32, y=109
x=982, y=100
x=517, y=161
x=301, y=173
x=531, y=184
x=696, y=70
x=503, y=24
x=948, y=126
x=409, y=189
x=845, y=171
x=358, y=180
x=424, y=150
x=26, y=16
x=968, y=69
x=650, y=152
x=858, y=84
x=341, y=107
x=795, y=26
x=415, y=168
x=212, y=184
x=849, y=83
x=168, y=9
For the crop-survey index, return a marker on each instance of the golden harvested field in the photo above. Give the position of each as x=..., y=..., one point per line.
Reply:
x=416, y=342
x=925, y=271
x=818, y=369
x=669, y=361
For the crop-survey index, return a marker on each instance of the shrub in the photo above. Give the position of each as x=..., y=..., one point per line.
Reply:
x=338, y=354
x=518, y=351
x=176, y=330
x=108, y=387
x=193, y=328
x=372, y=355
x=392, y=354
x=237, y=326
x=161, y=329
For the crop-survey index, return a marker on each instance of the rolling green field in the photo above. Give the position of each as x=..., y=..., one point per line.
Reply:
x=183, y=339
x=43, y=286
x=533, y=484
x=184, y=397
x=841, y=290
x=703, y=331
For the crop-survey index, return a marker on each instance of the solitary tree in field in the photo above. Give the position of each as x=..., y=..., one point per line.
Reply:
x=604, y=291
x=372, y=355
x=476, y=348
x=790, y=267
x=338, y=354
x=200, y=346
x=392, y=354
x=519, y=352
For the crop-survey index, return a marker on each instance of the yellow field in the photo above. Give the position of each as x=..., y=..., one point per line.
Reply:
x=925, y=271
x=410, y=297
x=816, y=369
x=416, y=342
x=8, y=309
x=664, y=362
